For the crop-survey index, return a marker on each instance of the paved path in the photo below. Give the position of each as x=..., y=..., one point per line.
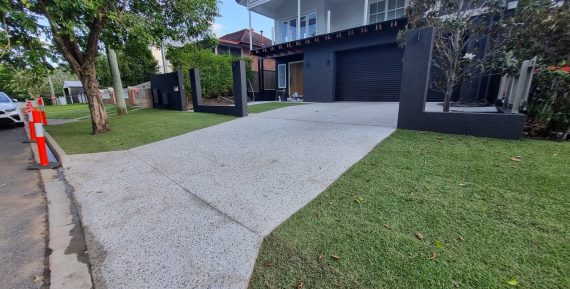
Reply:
x=191, y=211
x=22, y=215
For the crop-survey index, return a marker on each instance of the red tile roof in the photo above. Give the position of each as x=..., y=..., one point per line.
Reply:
x=242, y=38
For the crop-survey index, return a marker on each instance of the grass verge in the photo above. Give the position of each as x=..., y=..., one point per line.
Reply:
x=73, y=111
x=426, y=210
x=135, y=129
x=263, y=107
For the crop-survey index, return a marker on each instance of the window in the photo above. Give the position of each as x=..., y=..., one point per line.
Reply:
x=233, y=51
x=385, y=10
x=308, y=26
x=4, y=98
x=282, y=75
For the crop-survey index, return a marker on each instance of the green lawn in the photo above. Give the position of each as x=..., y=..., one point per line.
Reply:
x=135, y=129
x=78, y=110
x=485, y=219
x=73, y=111
x=263, y=107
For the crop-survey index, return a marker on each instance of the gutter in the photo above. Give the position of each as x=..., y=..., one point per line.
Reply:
x=68, y=260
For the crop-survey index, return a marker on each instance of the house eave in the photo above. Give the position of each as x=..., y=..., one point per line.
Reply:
x=296, y=46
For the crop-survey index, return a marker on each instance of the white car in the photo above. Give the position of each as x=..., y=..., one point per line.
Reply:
x=9, y=111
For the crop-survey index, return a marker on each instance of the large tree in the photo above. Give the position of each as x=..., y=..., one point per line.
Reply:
x=75, y=29
x=460, y=25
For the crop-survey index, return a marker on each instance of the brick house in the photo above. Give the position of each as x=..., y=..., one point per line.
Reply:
x=237, y=44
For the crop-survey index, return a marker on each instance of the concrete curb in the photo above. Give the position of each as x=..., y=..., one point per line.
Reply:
x=68, y=261
x=55, y=148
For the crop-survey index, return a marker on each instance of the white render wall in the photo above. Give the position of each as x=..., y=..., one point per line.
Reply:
x=346, y=15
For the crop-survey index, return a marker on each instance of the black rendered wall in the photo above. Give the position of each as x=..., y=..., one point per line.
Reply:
x=168, y=91
x=320, y=61
x=239, y=91
x=415, y=83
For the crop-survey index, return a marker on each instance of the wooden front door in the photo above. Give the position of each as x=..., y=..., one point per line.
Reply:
x=296, y=78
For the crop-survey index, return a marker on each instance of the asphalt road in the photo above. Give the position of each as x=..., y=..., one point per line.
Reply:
x=23, y=215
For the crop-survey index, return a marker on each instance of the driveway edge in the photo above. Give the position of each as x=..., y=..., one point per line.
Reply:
x=68, y=260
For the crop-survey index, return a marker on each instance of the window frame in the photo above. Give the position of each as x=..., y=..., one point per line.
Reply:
x=386, y=10
x=284, y=73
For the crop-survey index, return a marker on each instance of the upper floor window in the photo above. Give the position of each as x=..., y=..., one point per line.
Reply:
x=385, y=10
x=308, y=26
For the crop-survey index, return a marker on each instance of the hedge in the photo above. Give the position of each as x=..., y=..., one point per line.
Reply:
x=215, y=70
x=549, y=106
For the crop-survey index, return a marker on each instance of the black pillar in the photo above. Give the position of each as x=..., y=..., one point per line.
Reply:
x=240, y=88
x=196, y=87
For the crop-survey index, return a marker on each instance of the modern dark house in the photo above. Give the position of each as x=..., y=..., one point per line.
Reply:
x=342, y=50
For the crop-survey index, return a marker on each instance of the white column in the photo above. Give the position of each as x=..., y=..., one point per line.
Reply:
x=250, y=33
x=273, y=35
x=366, y=5
x=298, y=19
x=329, y=21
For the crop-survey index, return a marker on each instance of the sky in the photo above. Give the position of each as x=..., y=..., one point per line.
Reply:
x=234, y=18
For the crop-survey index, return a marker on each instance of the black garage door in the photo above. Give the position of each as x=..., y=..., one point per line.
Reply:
x=370, y=74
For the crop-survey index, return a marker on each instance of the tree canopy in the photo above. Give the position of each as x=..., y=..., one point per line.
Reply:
x=32, y=28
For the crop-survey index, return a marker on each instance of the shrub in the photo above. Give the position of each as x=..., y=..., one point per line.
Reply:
x=549, y=106
x=215, y=70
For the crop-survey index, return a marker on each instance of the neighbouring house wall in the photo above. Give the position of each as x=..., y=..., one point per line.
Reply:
x=157, y=55
x=289, y=10
x=268, y=64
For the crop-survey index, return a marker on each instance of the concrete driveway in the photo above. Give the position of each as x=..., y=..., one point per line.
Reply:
x=191, y=211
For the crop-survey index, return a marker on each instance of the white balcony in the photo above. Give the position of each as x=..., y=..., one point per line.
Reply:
x=319, y=17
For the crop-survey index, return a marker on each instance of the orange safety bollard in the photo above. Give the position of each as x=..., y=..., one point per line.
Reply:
x=31, y=126
x=40, y=140
x=41, y=144
x=43, y=110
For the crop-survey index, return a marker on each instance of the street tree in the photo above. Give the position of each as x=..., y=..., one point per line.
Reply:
x=75, y=29
x=460, y=26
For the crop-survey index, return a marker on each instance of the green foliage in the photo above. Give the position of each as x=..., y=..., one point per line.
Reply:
x=136, y=65
x=541, y=29
x=215, y=70
x=82, y=23
x=29, y=81
x=6, y=83
x=549, y=108
x=26, y=83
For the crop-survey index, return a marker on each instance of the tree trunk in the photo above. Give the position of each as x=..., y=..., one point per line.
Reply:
x=447, y=99
x=99, y=118
x=117, y=83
